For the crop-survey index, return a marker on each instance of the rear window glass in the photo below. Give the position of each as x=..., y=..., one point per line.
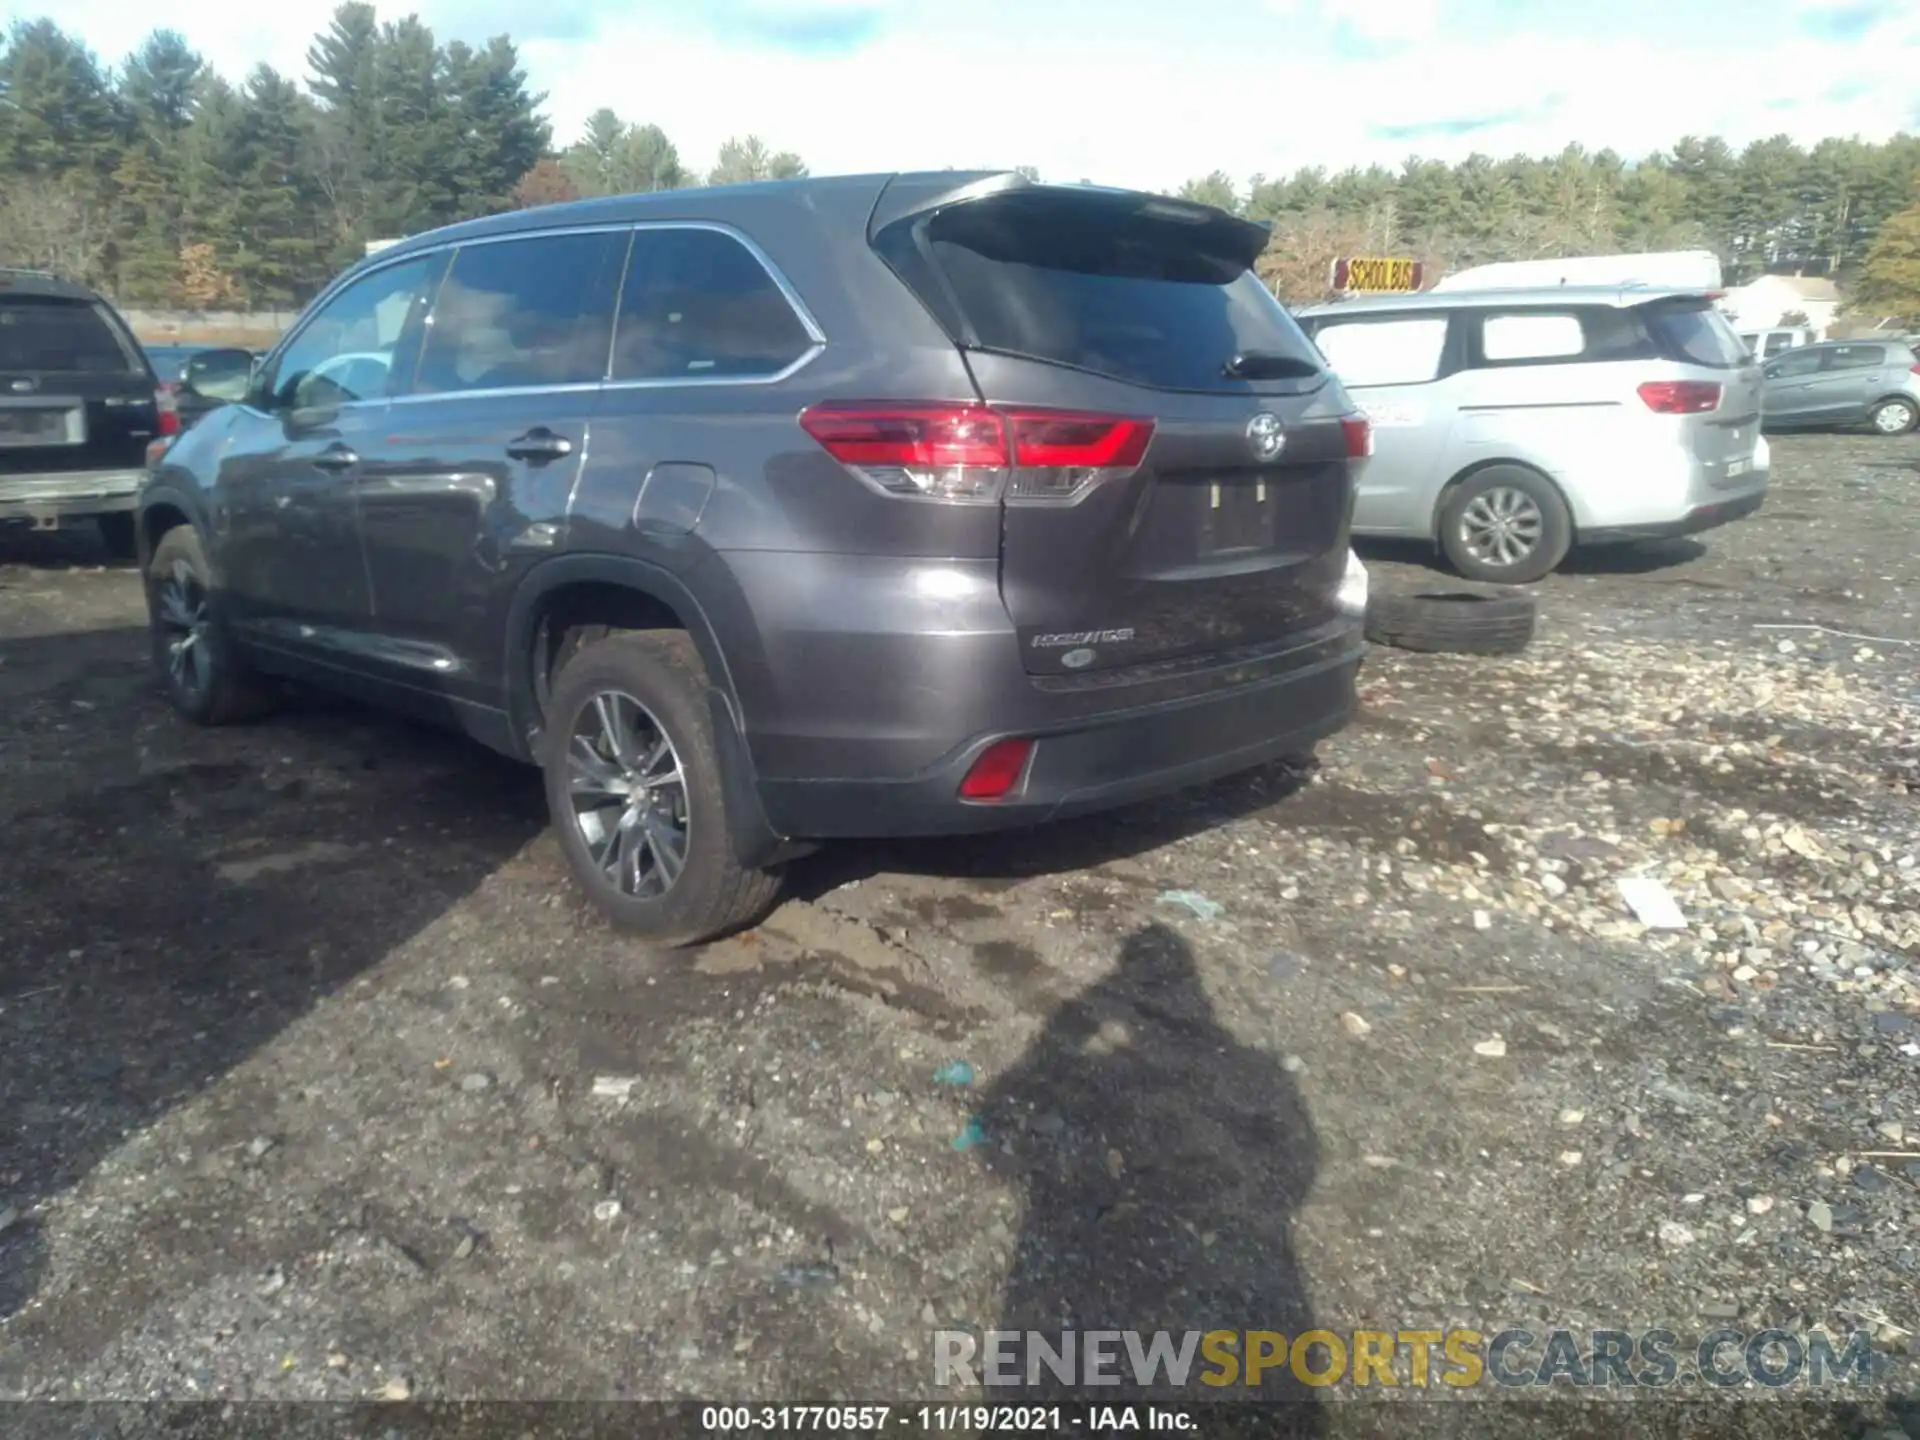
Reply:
x=67, y=336
x=1126, y=295
x=1698, y=334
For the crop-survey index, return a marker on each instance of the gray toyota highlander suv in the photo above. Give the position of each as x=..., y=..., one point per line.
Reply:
x=763, y=516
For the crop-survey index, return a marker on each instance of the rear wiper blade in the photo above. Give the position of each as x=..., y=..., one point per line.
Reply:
x=1268, y=365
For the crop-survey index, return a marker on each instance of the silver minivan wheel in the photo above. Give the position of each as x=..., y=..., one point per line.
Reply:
x=1501, y=526
x=1894, y=417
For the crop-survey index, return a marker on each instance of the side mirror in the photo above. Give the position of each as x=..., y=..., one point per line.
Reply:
x=221, y=376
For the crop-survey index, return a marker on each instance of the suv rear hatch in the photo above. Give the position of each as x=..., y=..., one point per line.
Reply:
x=76, y=392
x=1178, y=460
x=1720, y=401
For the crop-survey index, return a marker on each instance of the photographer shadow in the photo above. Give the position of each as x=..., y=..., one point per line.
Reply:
x=1162, y=1161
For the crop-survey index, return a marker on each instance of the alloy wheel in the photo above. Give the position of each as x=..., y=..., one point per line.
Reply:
x=1893, y=418
x=182, y=615
x=1501, y=526
x=629, y=795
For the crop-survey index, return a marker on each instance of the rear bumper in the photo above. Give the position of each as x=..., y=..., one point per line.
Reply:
x=1097, y=763
x=1700, y=517
x=48, y=499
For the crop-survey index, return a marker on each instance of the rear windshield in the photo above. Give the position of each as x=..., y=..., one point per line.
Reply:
x=1131, y=296
x=1698, y=334
x=39, y=332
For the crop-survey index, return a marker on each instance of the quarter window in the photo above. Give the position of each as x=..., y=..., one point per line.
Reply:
x=698, y=305
x=1366, y=353
x=1531, y=337
x=523, y=313
x=345, y=353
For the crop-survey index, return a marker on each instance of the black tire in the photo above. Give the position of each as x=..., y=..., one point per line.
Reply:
x=1883, y=416
x=660, y=673
x=1541, y=518
x=1453, y=622
x=117, y=536
x=212, y=685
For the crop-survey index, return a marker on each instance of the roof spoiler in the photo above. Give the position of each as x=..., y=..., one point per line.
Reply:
x=910, y=198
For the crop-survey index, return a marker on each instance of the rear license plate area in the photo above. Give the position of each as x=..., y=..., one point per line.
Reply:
x=1237, y=512
x=24, y=427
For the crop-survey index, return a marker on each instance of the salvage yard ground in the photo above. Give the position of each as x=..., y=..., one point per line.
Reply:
x=317, y=1080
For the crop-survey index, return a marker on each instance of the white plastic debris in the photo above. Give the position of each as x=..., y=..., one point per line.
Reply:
x=614, y=1087
x=1652, y=903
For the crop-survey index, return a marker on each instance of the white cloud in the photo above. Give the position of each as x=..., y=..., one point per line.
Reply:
x=1370, y=19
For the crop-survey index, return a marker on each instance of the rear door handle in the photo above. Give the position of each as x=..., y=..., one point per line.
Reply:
x=335, y=459
x=539, y=444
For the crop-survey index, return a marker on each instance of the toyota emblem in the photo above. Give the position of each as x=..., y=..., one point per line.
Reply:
x=1266, y=436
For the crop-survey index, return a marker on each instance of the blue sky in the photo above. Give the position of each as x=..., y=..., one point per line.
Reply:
x=1149, y=92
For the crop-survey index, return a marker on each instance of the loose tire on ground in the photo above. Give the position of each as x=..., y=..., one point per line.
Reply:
x=193, y=655
x=1895, y=416
x=1454, y=622
x=1516, y=496
x=660, y=672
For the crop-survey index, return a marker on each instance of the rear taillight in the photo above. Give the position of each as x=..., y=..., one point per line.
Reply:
x=168, y=410
x=997, y=772
x=1359, y=432
x=1914, y=369
x=1681, y=397
x=972, y=453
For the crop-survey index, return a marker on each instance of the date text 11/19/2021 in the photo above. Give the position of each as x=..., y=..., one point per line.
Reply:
x=937, y=1419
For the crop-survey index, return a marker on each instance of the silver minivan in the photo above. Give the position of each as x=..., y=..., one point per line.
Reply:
x=1511, y=425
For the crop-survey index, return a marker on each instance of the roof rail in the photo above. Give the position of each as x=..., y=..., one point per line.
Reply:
x=23, y=270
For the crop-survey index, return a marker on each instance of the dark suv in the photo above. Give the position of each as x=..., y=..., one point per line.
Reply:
x=762, y=516
x=78, y=406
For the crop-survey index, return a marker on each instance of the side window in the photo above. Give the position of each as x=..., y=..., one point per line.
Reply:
x=518, y=313
x=346, y=351
x=1856, y=357
x=1533, y=336
x=1365, y=353
x=1794, y=363
x=1778, y=342
x=698, y=305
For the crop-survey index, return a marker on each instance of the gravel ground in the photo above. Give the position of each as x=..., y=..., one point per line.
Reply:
x=317, y=1082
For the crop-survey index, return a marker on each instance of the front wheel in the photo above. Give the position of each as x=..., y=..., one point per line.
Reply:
x=634, y=791
x=1506, y=525
x=1895, y=417
x=204, y=677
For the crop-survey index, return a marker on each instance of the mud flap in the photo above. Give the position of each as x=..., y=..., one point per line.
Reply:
x=755, y=844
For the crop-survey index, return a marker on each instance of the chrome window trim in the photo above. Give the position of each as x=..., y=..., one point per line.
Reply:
x=740, y=237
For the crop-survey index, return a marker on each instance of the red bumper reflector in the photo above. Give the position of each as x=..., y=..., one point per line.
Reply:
x=998, y=770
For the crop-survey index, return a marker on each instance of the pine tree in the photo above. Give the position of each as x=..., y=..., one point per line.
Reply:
x=746, y=159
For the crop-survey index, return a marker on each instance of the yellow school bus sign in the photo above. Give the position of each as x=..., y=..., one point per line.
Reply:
x=1374, y=275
